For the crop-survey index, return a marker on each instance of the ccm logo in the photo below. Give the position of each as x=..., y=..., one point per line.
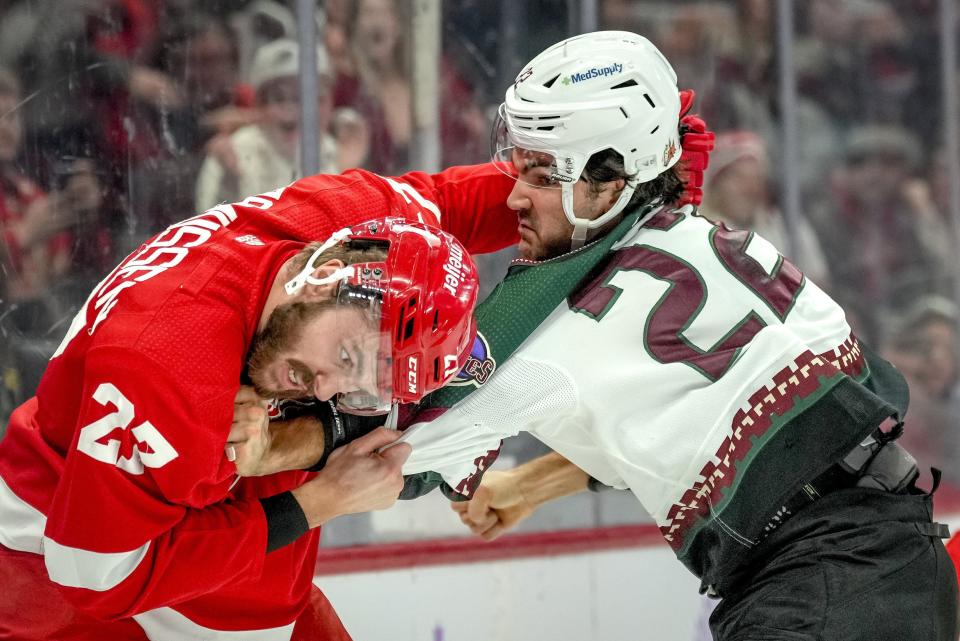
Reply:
x=412, y=374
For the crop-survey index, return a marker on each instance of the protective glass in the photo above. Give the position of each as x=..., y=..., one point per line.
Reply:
x=535, y=168
x=364, y=352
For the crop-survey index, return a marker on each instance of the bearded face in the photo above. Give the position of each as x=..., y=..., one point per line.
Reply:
x=318, y=349
x=280, y=335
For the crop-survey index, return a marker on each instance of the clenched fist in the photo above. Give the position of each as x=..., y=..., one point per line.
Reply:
x=249, y=439
x=361, y=476
x=497, y=506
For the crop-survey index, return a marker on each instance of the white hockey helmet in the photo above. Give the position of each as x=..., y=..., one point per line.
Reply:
x=596, y=91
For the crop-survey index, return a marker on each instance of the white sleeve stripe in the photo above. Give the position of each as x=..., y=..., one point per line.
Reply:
x=97, y=571
x=166, y=624
x=21, y=525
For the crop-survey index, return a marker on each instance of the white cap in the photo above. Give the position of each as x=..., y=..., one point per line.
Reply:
x=281, y=59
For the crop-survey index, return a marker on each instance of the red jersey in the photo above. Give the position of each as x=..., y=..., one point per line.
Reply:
x=115, y=470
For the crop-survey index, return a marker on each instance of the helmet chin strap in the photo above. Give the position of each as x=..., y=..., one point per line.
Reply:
x=582, y=226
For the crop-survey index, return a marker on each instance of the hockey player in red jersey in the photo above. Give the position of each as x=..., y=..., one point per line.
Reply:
x=120, y=516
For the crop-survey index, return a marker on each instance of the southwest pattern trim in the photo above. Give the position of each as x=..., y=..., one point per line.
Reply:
x=467, y=486
x=790, y=386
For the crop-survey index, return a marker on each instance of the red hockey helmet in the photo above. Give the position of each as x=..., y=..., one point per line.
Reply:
x=421, y=298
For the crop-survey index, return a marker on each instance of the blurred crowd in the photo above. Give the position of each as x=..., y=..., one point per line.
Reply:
x=119, y=117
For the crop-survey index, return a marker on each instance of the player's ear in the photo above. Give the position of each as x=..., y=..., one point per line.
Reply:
x=327, y=290
x=611, y=191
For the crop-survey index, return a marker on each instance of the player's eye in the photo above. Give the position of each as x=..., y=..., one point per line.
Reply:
x=345, y=360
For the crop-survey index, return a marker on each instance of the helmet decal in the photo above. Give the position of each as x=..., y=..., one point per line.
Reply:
x=526, y=73
x=454, y=271
x=669, y=151
x=593, y=72
x=412, y=375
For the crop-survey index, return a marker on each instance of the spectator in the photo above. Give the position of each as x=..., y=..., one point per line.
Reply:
x=689, y=37
x=884, y=243
x=891, y=66
x=198, y=52
x=855, y=61
x=90, y=56
x=262, y=21
x=23, y=215
x=47, y=243
x=745, y=94
x=923, y=345
x=938, y=179
x=85, y=251
x=737, y=191
x=266, y=155
x=46, y=239
x=377, y=76
x=828, y=57
x=376, y=82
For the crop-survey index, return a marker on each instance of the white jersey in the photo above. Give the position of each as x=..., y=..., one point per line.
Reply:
x=691, y=346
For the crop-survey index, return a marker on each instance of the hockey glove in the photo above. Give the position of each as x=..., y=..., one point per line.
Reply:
x=697, y=143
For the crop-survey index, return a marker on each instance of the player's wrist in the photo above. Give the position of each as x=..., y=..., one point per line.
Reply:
x=319, y=501
x=547, y=478
x=296, y=444
x=530, y=492
x=518, y=487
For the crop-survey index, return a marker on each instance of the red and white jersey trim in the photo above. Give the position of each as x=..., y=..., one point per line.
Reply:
x=166, y=624
x=97, y=571
x=22, y=525
x=22, y=529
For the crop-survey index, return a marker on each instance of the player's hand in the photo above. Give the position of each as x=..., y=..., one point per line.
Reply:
x=497, y=506
x=249, y=440
x=357, y=478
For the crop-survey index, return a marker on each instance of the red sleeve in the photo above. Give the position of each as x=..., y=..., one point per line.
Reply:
x=473, y=205
x=469, y=202
x=141, y=517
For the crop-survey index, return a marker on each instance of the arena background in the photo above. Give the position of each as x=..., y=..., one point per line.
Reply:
x=837, y=125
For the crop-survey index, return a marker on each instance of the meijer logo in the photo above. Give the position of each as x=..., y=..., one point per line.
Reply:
x=453, y=270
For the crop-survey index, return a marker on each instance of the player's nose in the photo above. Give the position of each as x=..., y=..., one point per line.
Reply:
x=519, y=199
x=325, y=387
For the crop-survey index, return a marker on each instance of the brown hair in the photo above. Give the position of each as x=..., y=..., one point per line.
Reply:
x=349, y=254
x=607, y=165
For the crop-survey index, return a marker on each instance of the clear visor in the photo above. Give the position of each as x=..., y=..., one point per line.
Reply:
x=536, y=168
x=363, y=373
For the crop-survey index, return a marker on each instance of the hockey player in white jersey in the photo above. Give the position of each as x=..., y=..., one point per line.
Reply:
x=688, y=363
x=694, y=366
